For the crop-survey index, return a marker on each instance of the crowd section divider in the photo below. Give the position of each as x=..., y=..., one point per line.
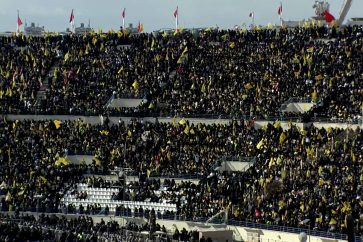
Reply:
x=231, y=222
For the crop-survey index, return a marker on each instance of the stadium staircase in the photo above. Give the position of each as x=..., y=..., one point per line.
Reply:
x=232, y=164
x=297, y=105
x=42, y=90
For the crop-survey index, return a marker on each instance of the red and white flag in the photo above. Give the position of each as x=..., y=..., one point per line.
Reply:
x=328, y=17
x=140, y=27
x=176, y=12
x=19, y=23
x=124, y=13
x=279, y=10
x=71, y=20
x=123, y=18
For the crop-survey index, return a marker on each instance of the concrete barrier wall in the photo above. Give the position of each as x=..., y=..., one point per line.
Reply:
x=115, y=120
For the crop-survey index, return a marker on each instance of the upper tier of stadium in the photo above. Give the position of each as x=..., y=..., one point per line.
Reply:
x=249, y=73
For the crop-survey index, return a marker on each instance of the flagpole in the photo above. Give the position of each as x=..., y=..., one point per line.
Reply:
x=17, y=24
x=253, y=18
x=281, y=14
x=176, y=19
x=123, y=18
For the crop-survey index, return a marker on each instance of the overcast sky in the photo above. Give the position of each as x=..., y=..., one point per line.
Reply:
x=157, y=14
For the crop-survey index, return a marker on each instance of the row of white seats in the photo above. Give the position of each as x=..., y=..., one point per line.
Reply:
x=118, y=202
x=84, y=187
x=70, y=199
x=97, y=192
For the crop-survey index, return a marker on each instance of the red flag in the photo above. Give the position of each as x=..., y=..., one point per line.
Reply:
x=176, y=12
x=328, y=17
x=71, y=18
x=124, y=13
x=279, y=10
x=140, y=27
x=19, y=22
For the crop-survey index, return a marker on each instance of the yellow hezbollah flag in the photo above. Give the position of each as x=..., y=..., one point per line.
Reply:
x=183, y=56
x=182, y=121
x=57, y=123
x=135, y=85
x=66, y=57
x=282, y=138
x=148, y=172
x=104, y=132
x=62, y=161
x=97, y=160
x=259, y=145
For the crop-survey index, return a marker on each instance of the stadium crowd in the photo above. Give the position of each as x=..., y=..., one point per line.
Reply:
x=256, y=72
x=298, y=174
x=54, y=228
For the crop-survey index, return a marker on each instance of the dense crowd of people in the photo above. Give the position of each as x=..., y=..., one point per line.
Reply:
x=312, y=173
x=305, y=177
x=83, y=228
x=214, y=72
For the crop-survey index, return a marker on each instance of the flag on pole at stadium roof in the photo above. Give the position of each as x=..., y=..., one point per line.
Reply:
x=279, y=12
x=140, y=27
x=123, y=18
x=18, y=23
x=328, y=17
x=71, y=21
x=252, y=16
x=176, y=15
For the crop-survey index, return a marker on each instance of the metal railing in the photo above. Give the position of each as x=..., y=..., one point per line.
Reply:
x=170, y=176
x=247, y=224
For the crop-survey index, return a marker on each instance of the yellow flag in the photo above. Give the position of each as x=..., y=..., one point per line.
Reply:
x=42, y=180
x=259, y=145
x=314, y=95
x=104, y=132
x=277, y=124
x=186, y=130
x=148, y=172
x=94, y=40
x=153, y=43
x=232, y=45
x=282, y=138
x=66, y=57
x=97, y=160
x=174, y=121
x=57, y=123
x=135, y=85
x=120, y=70
x=183, y=56
x=352, y=155
x=62, y=161
x=248, y=86
x=182, y=121
x=310, y=50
